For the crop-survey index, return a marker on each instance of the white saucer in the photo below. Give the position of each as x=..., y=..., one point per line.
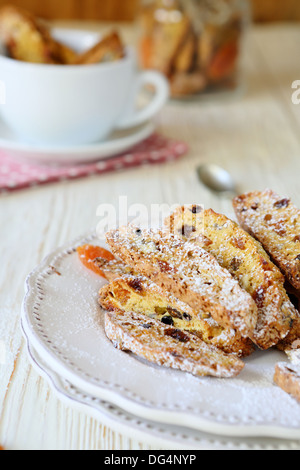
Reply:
x=117, y=143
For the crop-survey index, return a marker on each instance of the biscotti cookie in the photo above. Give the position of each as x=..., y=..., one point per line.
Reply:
x=62, y=54
x=248, y=263
x=293, y=336
x=183, y=84
x=25, y=38
x=185, y=59
x=287, y=377
x=166, y=346
x=187, y=271
x=140, y=295
x=293, y=352
x=166, y=41
x=112, y=269
x=108, y=49
x=275, y=222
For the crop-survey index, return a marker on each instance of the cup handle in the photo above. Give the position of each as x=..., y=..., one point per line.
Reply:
x=134, y=118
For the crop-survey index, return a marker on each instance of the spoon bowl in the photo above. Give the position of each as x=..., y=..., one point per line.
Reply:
x=216, y=178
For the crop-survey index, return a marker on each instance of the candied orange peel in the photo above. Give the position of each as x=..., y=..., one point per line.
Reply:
x=88, y=253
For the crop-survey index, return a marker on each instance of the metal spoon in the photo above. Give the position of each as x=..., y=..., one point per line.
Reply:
x=217, y=179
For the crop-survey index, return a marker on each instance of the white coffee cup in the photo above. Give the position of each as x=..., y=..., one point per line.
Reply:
x=76, y=105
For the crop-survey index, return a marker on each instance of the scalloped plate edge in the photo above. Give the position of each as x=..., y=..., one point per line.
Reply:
x=116, y=398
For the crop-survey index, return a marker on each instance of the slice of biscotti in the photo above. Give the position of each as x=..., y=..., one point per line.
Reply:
x=287, y=377
x=293, y=337
x=293, y=352
x=113, y=269
x=166, y=346
x=247, y=261
x=167, y=38
x=24, y=36
x=109, y=49
x=187, y=271
x=275, y=222
x=140, y=295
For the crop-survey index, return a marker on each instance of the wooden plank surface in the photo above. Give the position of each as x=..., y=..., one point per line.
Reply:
x=112, y=10
x=125, y=10
x=255, y=137
x=278, y=10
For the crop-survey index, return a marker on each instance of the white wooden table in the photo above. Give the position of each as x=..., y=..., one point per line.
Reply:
x=256, y=137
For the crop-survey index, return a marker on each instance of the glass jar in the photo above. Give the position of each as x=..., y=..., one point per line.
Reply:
x=196, y=44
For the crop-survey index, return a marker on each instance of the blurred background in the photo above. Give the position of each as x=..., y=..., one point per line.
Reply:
x=125, y=10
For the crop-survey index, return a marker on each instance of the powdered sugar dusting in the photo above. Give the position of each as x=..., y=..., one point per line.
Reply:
x=192, y=267
x=275, y=222
x=73, y=332
x=167, y=346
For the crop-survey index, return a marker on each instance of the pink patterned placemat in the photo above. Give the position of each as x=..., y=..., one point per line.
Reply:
x=157, y=149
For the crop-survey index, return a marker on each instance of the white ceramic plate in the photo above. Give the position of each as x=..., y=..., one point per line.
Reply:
x=154, y=434
x=64, y=325
x=117, y=143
